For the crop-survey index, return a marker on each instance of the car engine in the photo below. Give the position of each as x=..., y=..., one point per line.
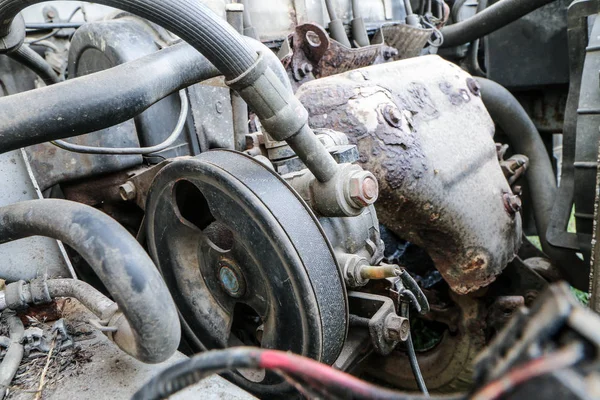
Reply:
x=375, y=199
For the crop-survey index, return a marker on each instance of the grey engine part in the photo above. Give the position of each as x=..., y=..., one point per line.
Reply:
x=339, y=183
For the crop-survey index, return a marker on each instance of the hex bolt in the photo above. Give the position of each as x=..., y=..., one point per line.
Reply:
x=390, y=53
x=363, y=188
x=231, y=279
x=304, y=69
x=473, y=86
x=396, y=328
x=392, y=116
x=128, y=191
x=512, y=203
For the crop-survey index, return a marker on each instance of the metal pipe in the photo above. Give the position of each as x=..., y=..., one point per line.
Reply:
x=239, y=108
x=150, y=330
x=507, y=112
x=183, y=115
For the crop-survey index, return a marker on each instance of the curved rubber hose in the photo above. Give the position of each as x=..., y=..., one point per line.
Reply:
x=191, y=20
x=14, y=354
x=489, y=20
x=119, y=261
x=507, y=112
x=33, y=61
x=100, y=100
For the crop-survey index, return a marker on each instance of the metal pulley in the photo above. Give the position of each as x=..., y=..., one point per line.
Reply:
x=246, y=261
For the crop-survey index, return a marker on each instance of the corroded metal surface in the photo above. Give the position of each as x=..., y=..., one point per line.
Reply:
x=429, y=141
x=447, y=367
x=313, y=46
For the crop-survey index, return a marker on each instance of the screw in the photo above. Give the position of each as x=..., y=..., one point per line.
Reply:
x=392, y=116
x=363, y=188
x=305, y=69
x=512, y=203
x=128, y=191
x=473, y=86
x=390, y=53
x=231, y=279
x=395, y=328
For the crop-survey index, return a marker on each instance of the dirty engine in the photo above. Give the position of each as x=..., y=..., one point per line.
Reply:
x=299, y=199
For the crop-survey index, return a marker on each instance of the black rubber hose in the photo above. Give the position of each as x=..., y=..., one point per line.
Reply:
x=14, y=354
x=508, y=114
x=489, y=20
x=106, y=98
x=191, y=20
x=100, y=100
x=33, y=61
x=119, y=261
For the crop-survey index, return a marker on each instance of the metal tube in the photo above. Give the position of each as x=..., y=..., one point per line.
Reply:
x=239, y=108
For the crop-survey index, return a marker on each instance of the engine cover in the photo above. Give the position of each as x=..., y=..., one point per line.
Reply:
x=422, y=129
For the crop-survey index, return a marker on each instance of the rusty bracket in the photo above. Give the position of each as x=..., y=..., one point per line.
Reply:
x=315, y=54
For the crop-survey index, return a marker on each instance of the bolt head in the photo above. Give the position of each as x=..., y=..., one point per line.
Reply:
x=396, y=328
x=231, y=279
x=364, y=188
x=512, y=203
x=128, y=191
x=392, y=116
x=473, y=86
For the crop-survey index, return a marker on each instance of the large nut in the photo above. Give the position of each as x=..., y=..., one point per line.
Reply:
x=363, y=188
x=396, y=328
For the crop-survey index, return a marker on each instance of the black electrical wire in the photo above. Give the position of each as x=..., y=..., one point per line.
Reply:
x=329, y=382
x=412, y=357
x=133, y=150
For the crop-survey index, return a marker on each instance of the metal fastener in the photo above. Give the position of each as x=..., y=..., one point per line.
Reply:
x=363, y=188
x=512, y=203
x=396, y=328
x=128, y=191
x=231, y=279
x=392, y=116
x=473, y=86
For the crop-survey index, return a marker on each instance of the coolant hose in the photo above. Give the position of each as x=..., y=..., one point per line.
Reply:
x=106, y=98
x=191, y=20
x=282, y=115
x=14, y=353
x=100, y=100
x=33, y=61
x=150, y=329
x=509, y=115
x=489, y=20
